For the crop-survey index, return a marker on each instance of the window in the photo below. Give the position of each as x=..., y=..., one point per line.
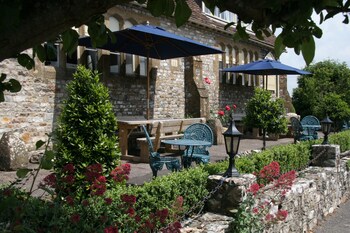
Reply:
x=143, y=66
x=226, y=16
x=114, y=62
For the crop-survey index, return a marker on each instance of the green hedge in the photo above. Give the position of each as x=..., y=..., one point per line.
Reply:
x=342, y=139
x=156, y=195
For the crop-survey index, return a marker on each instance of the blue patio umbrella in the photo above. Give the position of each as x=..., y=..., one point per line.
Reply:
x=265, y=67
x=152, y=42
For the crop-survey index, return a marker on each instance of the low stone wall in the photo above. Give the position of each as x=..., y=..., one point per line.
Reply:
x=316, y=193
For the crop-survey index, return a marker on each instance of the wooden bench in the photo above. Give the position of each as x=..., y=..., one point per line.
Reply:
x=164, y=129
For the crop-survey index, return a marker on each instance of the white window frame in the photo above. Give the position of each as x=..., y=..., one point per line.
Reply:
x=225, y=16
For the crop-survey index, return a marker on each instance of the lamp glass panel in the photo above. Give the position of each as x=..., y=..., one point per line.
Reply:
x=228, y=144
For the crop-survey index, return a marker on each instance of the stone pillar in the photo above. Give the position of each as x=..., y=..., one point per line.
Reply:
x=325, y=155
x=229, y=196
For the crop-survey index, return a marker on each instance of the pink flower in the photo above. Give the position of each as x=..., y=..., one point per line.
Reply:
x=207, y=80
x=281, y=215
x=234, y=106
x=254, y=188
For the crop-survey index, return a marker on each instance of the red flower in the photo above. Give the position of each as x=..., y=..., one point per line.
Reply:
x=69, y=168
x=234, y=106
x=228, y=108
x=93, y=172
x=207, y=80
x=281, y=215
x=285, y=180
x=85, y=202
x=221, y=113
x=131, y=211
x=49, y=181
x=70, y=200
x=69, y=179
x=130, y=199
x=269, y=217
x=75, y=218
x=254, y=188
x=108, y=201
x=111, y=229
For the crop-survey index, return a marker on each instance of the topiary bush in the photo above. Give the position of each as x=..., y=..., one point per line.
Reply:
x=86, y=128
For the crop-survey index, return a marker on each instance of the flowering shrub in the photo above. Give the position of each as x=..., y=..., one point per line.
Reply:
x=225, y=115
x=101, y=211
x=262, y=203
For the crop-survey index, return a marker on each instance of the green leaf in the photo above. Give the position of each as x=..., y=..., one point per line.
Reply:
x=2, y=77
x=39, y=144
x=169, y=7
x=21, y=173
x=155, y=7
x=182, y=12
x=47, y=160
x=279, y=46
x=25, y=61
x=39, y=50
x=346, y=19
x=70, y=41
x=15, y=85
x=308, y=50
x=2, y=97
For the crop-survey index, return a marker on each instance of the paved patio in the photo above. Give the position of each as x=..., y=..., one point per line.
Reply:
x=141, y=172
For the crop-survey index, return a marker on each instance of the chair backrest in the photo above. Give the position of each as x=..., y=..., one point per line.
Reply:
x=296, y=125
x=199, y=131
x=310, y=120
x=149, y=141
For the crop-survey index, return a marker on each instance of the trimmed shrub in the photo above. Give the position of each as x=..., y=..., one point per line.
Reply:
x=86, y=128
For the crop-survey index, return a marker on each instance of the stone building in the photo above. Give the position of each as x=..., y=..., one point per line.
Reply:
x=177, y=85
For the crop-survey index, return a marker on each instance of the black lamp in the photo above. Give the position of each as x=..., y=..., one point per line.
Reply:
x=232, y=138
x=326, y=124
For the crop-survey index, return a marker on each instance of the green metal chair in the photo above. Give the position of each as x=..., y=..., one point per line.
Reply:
x=300, y=134
x=198, y=154
x=156, y=161
x=311, y=121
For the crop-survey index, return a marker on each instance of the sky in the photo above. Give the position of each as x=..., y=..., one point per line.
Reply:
x=334, y=44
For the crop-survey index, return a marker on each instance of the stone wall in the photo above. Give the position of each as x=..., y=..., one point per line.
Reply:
x=316, y=193
x=33, y=111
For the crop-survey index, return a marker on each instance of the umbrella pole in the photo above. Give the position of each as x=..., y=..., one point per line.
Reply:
x=267, y=78
x=148, y=84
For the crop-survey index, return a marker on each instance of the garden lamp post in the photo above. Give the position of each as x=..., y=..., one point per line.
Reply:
x=326, y=124
x=232, y=138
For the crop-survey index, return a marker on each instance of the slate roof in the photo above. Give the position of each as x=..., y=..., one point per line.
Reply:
x=200, y=18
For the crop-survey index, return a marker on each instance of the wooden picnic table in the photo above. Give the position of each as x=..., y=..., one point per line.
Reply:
x=126, y=128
